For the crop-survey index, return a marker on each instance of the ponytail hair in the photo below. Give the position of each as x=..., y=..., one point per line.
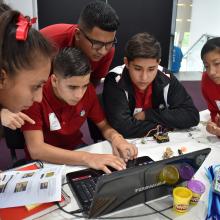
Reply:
x=16, y=55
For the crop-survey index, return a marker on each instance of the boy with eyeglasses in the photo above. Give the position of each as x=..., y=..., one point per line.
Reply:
x=68, y=100
x=94, y=35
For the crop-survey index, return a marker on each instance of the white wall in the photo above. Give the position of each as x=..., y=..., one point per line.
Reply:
x=27, y=7
x=205, y=19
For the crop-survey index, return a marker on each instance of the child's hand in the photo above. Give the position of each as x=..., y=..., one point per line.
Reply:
x=123, y=149
x=104, y=162
x=213, y=128
x=140, y=116
x=217, y=120
x=14, y=120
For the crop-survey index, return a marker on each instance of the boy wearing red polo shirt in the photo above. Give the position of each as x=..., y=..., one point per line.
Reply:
x=210, y=55
x=142, y=95
x=94, y=35
x=68, y=99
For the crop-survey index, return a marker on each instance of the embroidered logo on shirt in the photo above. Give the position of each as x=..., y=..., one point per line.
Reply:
x=82, y=113
x=54, y=122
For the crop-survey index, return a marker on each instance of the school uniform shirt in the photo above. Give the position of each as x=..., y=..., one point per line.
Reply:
x=60, y=122
x=142, y=98
x=63, y=35
x=211, y=93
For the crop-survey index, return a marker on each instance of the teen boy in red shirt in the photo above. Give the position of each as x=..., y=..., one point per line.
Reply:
x=210, y=55
x=68, y=99
x=94, y=35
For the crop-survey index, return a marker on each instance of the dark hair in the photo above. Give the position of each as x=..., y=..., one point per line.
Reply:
x=99, y=14
x=16, y=55
x=71, y=62
x=4, y=7
x=142, y=45
x=211, y=45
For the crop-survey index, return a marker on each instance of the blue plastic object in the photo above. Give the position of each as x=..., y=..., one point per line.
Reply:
x=214, y=198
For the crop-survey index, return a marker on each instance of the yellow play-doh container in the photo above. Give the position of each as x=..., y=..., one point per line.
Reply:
x=181, y=199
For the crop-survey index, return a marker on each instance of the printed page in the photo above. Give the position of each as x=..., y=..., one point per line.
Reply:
x=18, y=188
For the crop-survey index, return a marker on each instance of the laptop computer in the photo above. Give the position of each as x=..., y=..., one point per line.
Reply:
x=144, y=180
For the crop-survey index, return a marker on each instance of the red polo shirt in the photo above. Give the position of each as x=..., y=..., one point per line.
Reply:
x=63, y=35
x=143, y=99
x=211, y=93
x=61, y=122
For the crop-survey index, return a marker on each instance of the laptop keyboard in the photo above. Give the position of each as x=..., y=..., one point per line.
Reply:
x=86, y=188
x=85, y=185
x=136, y=162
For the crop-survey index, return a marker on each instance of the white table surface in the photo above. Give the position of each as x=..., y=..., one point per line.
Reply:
x=193, y=139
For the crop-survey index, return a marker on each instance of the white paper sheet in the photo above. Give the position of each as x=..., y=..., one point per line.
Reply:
x=18, y=188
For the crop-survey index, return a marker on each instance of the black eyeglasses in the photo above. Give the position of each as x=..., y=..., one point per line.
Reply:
x=97, y=45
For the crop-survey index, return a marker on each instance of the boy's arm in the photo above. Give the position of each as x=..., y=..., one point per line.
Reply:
x=40, y=150
x=119, y=145
x=180, y=113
